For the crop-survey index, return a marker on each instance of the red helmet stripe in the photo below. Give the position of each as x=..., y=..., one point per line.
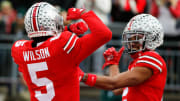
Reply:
x=130, y=24
x=34, y=17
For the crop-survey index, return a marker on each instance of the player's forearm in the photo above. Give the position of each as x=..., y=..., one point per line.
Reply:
x=119, y=81
x=105, y=82
x=111, y=83
x=113, y=70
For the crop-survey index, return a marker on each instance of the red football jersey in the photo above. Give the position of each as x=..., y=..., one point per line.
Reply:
x=51, y=69
x=153, y=88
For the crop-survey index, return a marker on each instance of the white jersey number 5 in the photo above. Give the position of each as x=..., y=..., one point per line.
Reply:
x=38, y=67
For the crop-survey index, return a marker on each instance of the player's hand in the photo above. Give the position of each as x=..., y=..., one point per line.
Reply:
x=78, y=28
x=111, y=56
x=87, y=78
x=74, y=13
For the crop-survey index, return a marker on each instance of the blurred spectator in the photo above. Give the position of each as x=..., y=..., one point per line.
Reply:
x=22, y=5
x=64, y=14
x=7, y=18
x=102, y=8
x=123, y=10
x=20, y=30
x=172, y=5
x=65, y=4
x=168, y=12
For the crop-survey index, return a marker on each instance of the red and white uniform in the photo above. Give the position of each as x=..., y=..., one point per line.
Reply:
x=155, y=9
x=139, y=5
x=153, y=88
x=51, y=69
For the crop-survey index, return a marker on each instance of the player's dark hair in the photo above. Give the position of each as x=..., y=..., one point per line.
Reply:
x=39, y=39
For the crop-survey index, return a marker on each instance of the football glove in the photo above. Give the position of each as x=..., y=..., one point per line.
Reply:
x=87, y=78
x=111, y=56
x=74, y=13
x=78, y=28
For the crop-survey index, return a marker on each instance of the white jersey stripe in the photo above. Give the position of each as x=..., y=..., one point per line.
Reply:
x=55, y=37
x=149, y=57
x=72, y=45
x=148, y=62
x=69, y=41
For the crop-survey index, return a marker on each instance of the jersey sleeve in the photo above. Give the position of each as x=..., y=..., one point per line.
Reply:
x=100, y=34
x=78, y=48
x=70, y=42
x=151, y=61
x=15, y=52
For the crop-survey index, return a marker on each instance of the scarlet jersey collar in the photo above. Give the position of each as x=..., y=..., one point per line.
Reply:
x=29, y=44
x=136, y=55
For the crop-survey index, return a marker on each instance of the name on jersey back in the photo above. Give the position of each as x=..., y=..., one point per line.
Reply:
x=36, y=54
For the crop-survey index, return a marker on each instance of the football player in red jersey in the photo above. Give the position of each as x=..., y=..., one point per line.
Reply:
x=49, y=61
x=146, y=76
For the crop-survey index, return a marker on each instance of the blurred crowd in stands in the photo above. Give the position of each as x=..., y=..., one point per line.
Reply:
x=110, y=11
x=167, y=11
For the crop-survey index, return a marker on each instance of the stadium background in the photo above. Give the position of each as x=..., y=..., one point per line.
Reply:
x=11, y=86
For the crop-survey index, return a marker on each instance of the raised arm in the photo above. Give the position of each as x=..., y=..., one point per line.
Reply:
x=129, y=78
x=116, y=81
x=114, y=71
x=100, y=33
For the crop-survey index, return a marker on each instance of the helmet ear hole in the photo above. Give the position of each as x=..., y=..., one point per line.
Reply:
x=155, y=38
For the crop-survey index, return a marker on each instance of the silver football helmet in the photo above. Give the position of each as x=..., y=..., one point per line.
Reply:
x=142, y=32
x=42, y=19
